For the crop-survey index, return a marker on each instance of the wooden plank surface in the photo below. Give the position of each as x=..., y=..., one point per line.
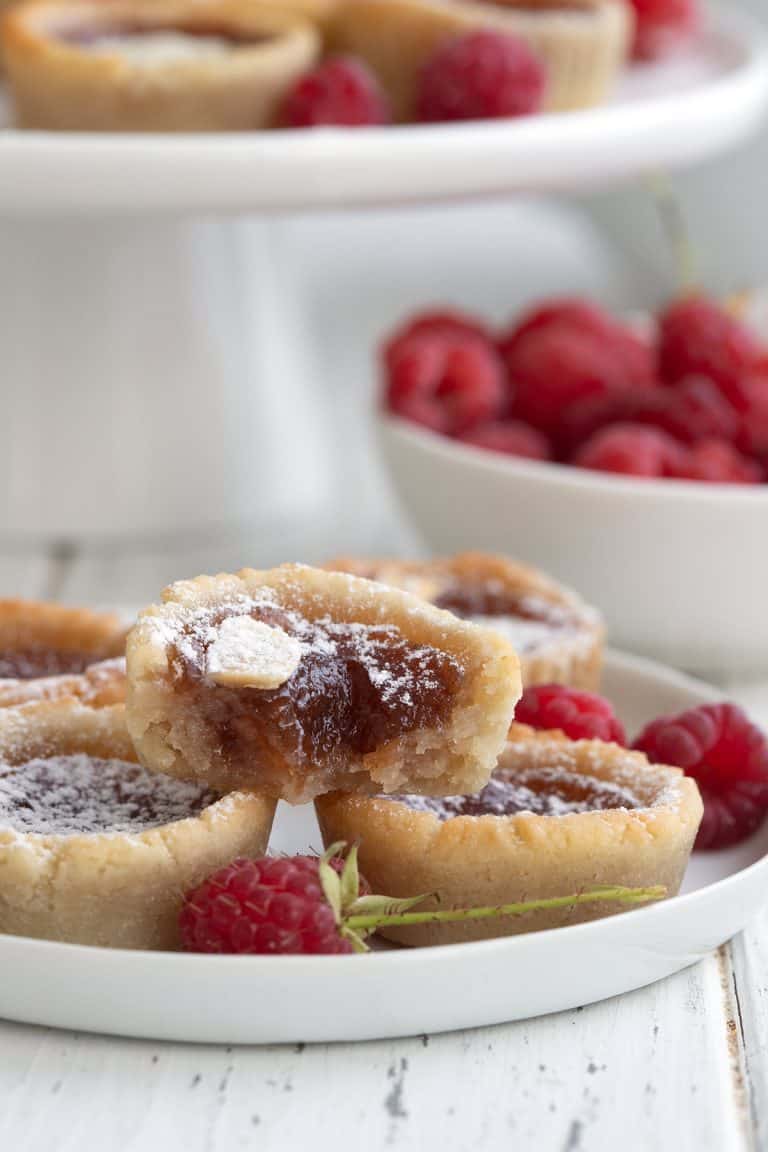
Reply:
x=681, y=1066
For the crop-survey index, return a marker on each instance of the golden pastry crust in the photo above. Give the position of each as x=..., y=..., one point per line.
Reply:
x=186, y=724
x=568, y=652
x=58, y=82
x=477, y=861
x=583, y=46
x=58, y=651
x=100, y=686
x=115, y=889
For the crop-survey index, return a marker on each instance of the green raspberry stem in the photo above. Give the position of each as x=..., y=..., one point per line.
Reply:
x=627, y=896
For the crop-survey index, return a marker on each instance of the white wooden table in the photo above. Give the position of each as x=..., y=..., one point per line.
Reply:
x=681, y=1066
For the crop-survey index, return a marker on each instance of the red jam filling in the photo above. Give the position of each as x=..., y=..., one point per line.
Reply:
x=492, y=598
x=34, y=661
x=357, y=687
x=543, y=791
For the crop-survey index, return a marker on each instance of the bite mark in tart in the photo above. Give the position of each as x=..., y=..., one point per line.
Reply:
x=582, y=44
x=48, y=651
x=166, y=66
x=558, y=638
x=94, y=849
x=298, y=681
x=556, y=817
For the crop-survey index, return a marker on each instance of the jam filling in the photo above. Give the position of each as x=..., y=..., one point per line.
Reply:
x=357, y=686
x=527, y=621
x=33, y=661
x=80, y=795
x=110, y=36
x=543, y=791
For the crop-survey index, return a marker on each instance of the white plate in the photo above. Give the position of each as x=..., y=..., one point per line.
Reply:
x=672, y=114
x=248, y=1000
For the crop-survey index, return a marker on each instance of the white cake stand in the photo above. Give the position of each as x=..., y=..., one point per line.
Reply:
x=164, y=372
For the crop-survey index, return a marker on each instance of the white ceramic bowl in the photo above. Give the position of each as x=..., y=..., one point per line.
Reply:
x=680, y=570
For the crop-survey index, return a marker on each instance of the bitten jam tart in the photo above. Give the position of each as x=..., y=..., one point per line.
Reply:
x=556, y=817
x=298, y=681
x=94, y=849
x=581, y=43
x=215, y=65
x=558, y=638
x=48, y=651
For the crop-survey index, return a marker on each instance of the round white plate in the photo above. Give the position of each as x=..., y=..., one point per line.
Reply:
x=250, y=1000
x=672, y=114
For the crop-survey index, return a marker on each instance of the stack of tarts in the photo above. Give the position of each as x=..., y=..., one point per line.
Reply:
x=370, y=699
x=228, y=65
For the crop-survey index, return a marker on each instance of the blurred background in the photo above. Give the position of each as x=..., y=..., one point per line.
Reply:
x=221, y=410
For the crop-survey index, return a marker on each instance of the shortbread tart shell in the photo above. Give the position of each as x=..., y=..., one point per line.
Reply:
x=118, y=890
x=58, y=83
x=570, y=653
x=187, y=725
x=46, y=634
x=583, y=45
x=478, y=861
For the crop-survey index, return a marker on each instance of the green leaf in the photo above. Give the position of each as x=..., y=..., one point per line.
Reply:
x=350, y=879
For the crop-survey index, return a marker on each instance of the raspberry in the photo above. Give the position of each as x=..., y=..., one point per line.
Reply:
x=556, y=366
x=662, y=25
x=442, y=322
x=342, y=91
x=635, y=355
x=632, y=450
x=697, y=337
x=752, y=437
x=694, y=411
x=580, y=715
x=480, y=75
x=446, y=382
x=727, y=755
x=510, y=437
x=259, y=906
x=718, y=462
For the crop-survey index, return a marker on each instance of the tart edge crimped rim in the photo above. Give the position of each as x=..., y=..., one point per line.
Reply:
x=680, y=800
x=60, y=626
x=26, y=39
x=103, y=724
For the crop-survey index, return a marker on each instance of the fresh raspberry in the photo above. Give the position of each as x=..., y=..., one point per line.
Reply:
x=632, y=450
x=694, y=411
x=580, y=715
x=697, y=337
x=342, y=90
x=556, y=366
x=718, y=462
x=480, y=75
x=440, y=322
x=632, y=352
x=447, y=383
x=727, y=755
x=510, y=437
x=752, y=437
x=661, y=25
x=275, y=904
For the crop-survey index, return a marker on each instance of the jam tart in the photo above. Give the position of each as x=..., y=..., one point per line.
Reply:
x=558, y=638
x=94, y=849
x=48, y=651
x=582, y=43
x=557, y=816
x=298, y=681
x=174, y=66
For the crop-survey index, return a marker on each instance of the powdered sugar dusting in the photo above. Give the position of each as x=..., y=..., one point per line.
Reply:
x=545, y=791
x=250, y=653
x=85, y=795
